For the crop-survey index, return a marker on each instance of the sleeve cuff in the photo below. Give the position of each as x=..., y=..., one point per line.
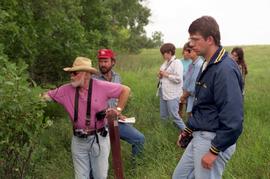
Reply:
x=214, y=150
x=188, y=130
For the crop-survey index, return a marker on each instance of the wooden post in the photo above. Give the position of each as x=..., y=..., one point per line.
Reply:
x=115, y=146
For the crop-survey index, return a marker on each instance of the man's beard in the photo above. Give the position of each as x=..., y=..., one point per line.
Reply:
x=78, y=83
x=105, y=70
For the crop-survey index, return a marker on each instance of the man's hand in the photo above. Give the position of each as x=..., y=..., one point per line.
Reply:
x=45, y=97
x=208, y=160
x=111, y=113
x=184, y=139
x=183, y=99
x=178, y=141
x=184, y=96
x=122, y=117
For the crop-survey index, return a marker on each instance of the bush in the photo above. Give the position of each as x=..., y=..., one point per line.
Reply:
x=22, y=119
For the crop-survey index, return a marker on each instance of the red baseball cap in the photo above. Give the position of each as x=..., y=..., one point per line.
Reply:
x=105, y=53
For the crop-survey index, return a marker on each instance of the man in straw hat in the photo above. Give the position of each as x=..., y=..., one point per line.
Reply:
x=85, y=99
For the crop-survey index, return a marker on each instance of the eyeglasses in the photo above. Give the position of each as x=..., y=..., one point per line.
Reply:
x=74, y=73
x=194, y=38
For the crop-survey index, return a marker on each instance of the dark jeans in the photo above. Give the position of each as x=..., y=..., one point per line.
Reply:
x=132, y=136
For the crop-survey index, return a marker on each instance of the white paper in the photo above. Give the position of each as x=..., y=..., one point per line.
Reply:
x=128, y=120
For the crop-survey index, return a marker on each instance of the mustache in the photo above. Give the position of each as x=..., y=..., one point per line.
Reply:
x=103, y=69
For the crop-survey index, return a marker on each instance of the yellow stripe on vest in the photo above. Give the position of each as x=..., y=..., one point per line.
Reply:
x=220, y=55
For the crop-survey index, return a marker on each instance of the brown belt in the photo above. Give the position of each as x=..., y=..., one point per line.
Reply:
x=84, y=134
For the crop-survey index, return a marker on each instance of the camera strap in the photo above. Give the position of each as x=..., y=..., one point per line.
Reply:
x=89, y=98
x=167, y=66
x=88, y=111
x=76, y=104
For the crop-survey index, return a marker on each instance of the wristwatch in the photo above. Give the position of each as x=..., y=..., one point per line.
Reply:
x=119, y=109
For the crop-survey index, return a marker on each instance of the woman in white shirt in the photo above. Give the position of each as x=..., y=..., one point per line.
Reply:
x=170, y=85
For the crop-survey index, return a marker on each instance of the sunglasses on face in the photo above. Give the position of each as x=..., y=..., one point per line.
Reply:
x=74, y=73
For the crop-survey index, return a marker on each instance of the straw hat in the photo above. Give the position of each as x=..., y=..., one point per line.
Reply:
x=81, y=64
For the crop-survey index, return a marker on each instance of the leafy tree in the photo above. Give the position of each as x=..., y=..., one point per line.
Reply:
x=49, y=34
x=61, y=38
x=17, y=31
x=133, y=16
x=157, y=39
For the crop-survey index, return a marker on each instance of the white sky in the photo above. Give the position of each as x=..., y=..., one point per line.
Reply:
x=241, y=22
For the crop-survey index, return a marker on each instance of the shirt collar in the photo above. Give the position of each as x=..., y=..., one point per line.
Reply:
x=101, y=76
x=218, y=56
x=196, y=61
x=173, y=58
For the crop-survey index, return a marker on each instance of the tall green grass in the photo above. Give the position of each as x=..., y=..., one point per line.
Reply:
x=251, y=160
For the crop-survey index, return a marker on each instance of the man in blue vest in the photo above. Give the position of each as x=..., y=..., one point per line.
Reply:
x=217, y=114
x=128, y=133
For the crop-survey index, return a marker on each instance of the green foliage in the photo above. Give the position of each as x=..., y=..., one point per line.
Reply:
x=17, y=30
x=48, y=34
x=61, y=38
x=22, y=120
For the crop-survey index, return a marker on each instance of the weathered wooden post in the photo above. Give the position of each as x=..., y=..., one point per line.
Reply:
x=115, y=146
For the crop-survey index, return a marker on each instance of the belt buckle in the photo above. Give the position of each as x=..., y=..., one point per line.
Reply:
x=80, y=133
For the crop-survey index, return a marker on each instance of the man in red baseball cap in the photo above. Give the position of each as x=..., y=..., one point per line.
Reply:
x=106, y=53
x=106, y=61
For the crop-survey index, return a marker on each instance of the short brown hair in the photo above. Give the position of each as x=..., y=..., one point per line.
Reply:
x=187, y=46
x=206, y=26
x=166, y=48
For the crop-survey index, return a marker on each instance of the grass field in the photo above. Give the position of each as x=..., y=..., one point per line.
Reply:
x=251, y=160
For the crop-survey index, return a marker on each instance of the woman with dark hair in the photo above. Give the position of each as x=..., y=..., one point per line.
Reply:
x=237, y=54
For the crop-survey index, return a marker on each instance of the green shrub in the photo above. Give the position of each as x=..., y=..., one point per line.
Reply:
x=22, y=119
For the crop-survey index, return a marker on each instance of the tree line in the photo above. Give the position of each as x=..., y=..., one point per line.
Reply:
x=49, y=34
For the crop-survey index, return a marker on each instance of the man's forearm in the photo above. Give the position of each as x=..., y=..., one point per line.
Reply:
x=123, y=97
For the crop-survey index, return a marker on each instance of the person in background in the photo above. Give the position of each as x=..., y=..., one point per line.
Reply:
x=128, y=133
x=237, y=55
x=191, y=76
x=217, y=114
x=170, y=85
x=90, y=145
x=186, y=62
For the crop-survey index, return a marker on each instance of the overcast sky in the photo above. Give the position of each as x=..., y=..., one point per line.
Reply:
x=241, y=22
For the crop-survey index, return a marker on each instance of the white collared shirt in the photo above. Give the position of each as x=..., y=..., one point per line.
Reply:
x=171, y=86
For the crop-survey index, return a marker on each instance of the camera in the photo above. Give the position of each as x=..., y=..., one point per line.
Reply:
x=185, y=139
x=101, y=115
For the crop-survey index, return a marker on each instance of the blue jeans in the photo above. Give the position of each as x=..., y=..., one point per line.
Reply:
x=170, y=108
x=88, y=155
x=134, y=137
x=190, y=164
